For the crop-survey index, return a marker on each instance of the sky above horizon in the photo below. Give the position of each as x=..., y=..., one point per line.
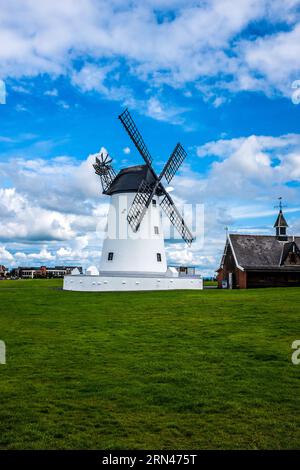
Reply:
x=220, y=76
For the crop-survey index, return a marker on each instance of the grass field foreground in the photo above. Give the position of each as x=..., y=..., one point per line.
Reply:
x=149, y=370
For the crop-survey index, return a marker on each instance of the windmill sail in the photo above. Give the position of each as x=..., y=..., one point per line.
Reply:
x=135, y=136
x=176, y=219
x=139, y=205
x=176, y=159
x=145, y=192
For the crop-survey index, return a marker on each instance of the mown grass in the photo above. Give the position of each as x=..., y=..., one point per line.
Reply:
x=210, y=283
x=160, y=370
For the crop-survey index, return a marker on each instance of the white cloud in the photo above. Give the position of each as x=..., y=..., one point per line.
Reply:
x=276, y=58
x=53, y=92
x=161, y=111
x=239, y=190
x=5, y=255
x=43, y=255
x=250, y=165
x=63, y=104
x=218, y=101
x=54, y=210
x=21, y=89
x=54, y=184
x=55, y=200
x=20, y=108
x=75, y=250
x=96, y=78
x=180, y=256
x=126, y=150
x=170, y=42
x=91, y=77
x=53, y=213
x=22, y=219
x=78, y=251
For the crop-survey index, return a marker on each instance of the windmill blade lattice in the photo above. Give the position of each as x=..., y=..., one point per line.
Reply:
x=176, y=219
x=146, y=192
x=139, y=205
x=175, y=161
x=135, y=136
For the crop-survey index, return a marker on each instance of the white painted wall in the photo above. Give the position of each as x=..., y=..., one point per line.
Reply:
x=123, y=283
x=133, y=252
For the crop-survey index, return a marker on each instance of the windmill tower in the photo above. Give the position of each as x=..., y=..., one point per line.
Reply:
x=133, y=252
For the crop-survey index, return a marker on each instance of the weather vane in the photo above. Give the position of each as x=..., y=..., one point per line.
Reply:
x=280, y=206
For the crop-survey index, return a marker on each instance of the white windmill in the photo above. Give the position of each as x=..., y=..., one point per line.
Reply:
x=133, y=253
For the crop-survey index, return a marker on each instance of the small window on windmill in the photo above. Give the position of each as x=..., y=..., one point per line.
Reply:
x=156, y=231
x=110, y=256
x=158, y=256
x=154, y=202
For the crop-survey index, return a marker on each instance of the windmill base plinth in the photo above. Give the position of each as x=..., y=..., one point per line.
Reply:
x=130, y=283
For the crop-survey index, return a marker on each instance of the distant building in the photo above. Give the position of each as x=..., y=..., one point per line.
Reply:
x=261, y=260
x=43, y=271
x=186, y=270
x=3, y=271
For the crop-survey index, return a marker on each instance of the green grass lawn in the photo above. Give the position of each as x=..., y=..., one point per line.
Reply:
x=210, y=283
x=161, y=370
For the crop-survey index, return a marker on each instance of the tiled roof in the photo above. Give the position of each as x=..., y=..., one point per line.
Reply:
x=259, y=251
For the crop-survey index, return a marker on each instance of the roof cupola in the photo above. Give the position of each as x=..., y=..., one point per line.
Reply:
x=281, y=224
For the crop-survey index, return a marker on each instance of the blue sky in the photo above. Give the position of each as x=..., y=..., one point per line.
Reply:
x=218, y=76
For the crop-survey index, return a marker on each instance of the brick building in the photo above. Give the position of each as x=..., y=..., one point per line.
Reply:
x=261, y=260
x=43, y=271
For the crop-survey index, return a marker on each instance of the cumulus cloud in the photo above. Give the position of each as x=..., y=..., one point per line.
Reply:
x=224, y=148
x=253, y=165
x=245, y=177
x=180, y=256
x=53, y=213
x=26, y=221
x=43, y=255
x=52, y=205
x=5, y=255
x=54, y=183
x=275, y=58
x=170, y=42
